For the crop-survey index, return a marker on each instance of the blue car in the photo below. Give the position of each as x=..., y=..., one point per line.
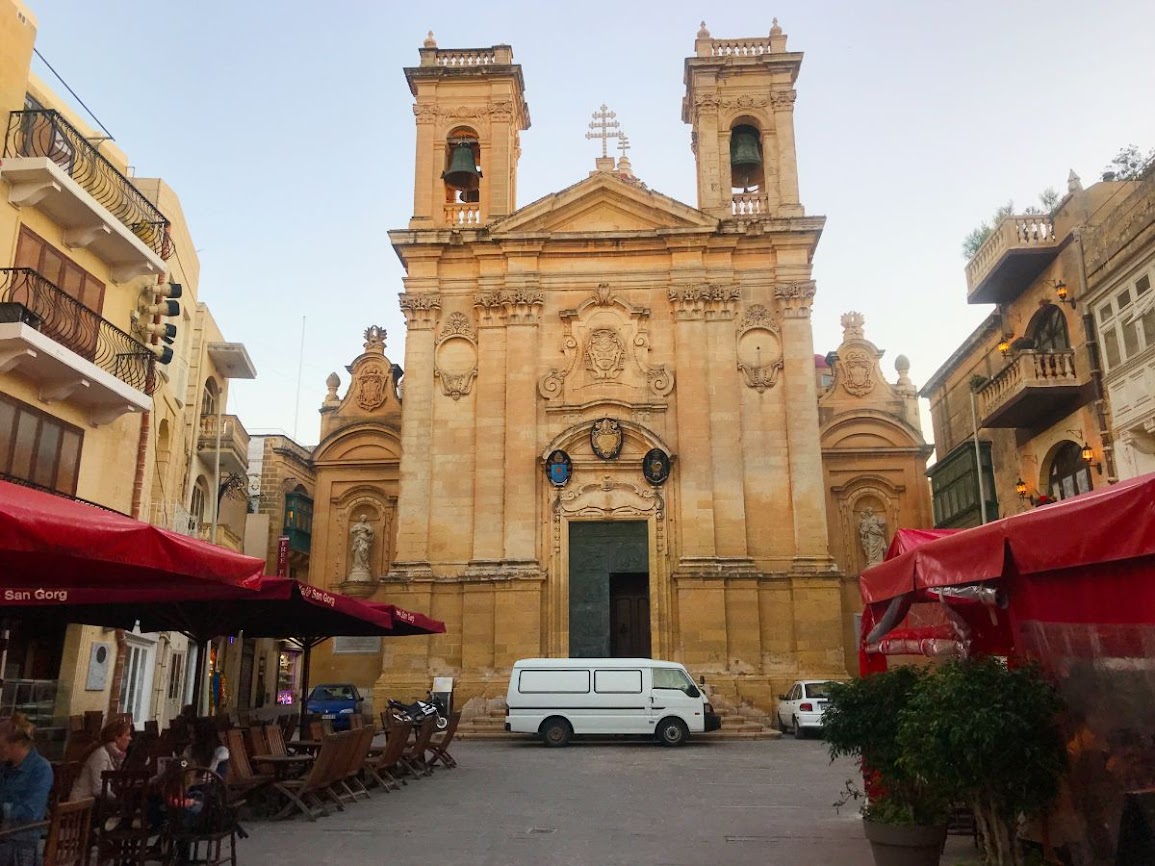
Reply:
x=336, y=702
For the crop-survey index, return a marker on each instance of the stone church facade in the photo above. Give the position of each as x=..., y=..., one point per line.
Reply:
x=611, y=436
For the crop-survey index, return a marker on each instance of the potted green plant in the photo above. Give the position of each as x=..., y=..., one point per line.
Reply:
x=988, y=735
x=905, y=814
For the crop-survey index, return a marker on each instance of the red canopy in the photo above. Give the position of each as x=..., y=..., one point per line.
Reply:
x=408, y=622
x=1110, y=525
x=49, y=543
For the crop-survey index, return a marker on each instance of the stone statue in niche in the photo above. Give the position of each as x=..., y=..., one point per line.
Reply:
x=872, y=535
x=361, y=538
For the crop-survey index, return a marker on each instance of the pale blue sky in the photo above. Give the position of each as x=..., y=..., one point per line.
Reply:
x=286, y=129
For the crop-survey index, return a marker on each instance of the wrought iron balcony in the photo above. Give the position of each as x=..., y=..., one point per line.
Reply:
x=1016, y=252
x=1034, y=390
x=233, y=443
x=70, y=349
x=49, y=164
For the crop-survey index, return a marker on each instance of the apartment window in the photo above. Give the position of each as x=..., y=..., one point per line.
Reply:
x=1048, y=328
x=32, y=251
x=38, y=448
x=137, y=678
x=1127, y=320
x=200, y=496
x=1070, y=475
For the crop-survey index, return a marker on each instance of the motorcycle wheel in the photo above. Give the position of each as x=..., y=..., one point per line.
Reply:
x=442, y=723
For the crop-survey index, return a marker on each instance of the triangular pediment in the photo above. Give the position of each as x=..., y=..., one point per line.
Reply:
x=602, y=203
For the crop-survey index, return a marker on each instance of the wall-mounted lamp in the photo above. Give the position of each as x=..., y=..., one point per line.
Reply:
x=1005, y=345
x=1063, y=292
x=1036, y=501
x=1088, y=455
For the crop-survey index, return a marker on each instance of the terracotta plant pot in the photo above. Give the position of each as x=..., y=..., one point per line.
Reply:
x=905, y=844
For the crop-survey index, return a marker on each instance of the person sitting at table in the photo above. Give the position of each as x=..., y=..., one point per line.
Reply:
x=206, y=750
x=107, y=755
x=25, y=782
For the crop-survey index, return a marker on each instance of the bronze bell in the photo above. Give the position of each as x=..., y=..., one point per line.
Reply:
x=745, y=157
x=463, y=173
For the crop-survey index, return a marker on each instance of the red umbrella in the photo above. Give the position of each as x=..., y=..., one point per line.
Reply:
x=55, y=543
x=409, y=622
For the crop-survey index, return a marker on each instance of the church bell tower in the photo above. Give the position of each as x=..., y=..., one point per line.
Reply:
x=740, y=102
x=470, y=110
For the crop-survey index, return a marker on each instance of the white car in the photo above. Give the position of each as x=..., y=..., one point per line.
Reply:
x=800, y=709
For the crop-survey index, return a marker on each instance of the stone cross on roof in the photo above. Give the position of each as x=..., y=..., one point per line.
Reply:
x=605, y=127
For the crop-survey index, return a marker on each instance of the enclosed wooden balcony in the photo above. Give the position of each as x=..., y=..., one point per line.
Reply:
x=1034, y=390
x=230, y=439
x=1016, y=252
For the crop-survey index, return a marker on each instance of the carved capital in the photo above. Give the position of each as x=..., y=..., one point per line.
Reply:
x=511, y=306
x=704, y=300
x=425, y=113
x=420, y=310
x=795, y=299
x=783, y=100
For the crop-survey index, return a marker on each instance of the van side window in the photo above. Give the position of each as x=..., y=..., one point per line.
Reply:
x=618, y=682
x=672, y=678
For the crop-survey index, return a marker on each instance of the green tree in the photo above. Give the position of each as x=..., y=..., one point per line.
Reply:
x=1130, y=163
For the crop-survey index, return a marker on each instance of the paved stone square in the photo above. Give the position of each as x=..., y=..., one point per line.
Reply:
x=606, y=802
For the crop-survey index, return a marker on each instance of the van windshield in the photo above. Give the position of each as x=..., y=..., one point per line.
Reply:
x=673, y=678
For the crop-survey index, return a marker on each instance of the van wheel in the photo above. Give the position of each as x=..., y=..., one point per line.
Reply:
x=556, y=732
x=672, y=732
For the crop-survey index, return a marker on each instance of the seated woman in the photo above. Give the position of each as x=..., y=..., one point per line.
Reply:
x=108, y=755
x=25, y=782
x=206, y=750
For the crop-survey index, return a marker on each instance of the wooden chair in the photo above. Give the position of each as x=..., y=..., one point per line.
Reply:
x=241, y=778
x=356, y=722
x=439, y=743
x=68, y=834
x=381, y=765
x=152, y=727
x=258, y=742
x=122, y=832
x=211, y=825
x=317, y=730
x=93, y=722
x=304, y=794
x=360, y=741
x=64, y=775
x=413, y=758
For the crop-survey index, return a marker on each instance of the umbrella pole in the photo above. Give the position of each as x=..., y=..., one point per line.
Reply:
x=307, y=647
x=199, y=676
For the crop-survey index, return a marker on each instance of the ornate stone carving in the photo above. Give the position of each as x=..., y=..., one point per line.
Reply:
x=371, y=381
x=375, y=339
x=872, y=536
x=795, y=299
x=510, y=306
x=425, y=113
x=608, y=499
x=852, y=325
x=360, y=545
x=420, y=310
x=759, y=349
x=783, y=99
x=706, y=103
x=858, y=372
x=744, y=101
x=606, y=343
x=704, y=300
x=606, y=438
x=455, y=358
x=605, y=355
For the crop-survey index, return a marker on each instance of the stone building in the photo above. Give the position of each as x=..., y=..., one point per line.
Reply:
x=613, y=440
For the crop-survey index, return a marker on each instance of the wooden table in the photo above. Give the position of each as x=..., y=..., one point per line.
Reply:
x=283, y=764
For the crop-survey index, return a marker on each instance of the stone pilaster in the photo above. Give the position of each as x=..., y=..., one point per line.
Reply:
x=783, y=104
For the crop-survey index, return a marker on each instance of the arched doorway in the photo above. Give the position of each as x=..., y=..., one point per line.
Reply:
x=1069, y=474
x=1048, y=328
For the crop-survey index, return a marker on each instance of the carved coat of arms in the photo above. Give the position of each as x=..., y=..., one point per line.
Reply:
x=605, y=354
x=371, y=389
x=858, y=367
x=606, y=438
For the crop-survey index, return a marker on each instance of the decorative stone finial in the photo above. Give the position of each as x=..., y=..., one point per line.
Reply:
x=332, y=383
x=703, y=33
x=375, y=339
x=1073, y=182
x=902, y=365
x=852, y=323
x=430, y=42
x=775, y=30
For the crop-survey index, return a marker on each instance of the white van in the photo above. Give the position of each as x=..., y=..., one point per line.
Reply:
x=557, y=698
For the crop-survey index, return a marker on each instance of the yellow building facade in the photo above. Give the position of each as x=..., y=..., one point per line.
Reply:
x=112, y=375
x=610, y=435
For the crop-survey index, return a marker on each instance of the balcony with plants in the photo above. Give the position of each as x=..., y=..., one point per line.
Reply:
x=51, y=165
x=73, y=353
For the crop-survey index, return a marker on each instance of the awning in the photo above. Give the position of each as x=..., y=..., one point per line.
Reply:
x=51, y=544
x=1114, y=524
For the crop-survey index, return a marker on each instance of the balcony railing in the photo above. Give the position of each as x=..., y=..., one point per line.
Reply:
x=234, y=442
x=44, y=133
x=1016, y=252
x=27, y=297
x=749, y=204
x=463, y=215
x=1030, y=390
